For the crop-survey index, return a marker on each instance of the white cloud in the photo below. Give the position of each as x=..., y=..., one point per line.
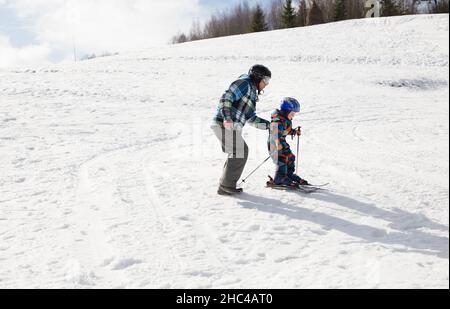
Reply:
x=107, y=25
x=32, y=54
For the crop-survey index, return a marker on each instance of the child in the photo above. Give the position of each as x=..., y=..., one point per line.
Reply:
x=280, y=151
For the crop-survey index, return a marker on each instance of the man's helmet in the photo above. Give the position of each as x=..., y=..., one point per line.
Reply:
x=260, y=72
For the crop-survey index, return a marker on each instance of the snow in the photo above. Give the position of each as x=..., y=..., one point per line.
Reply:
x=109, y=170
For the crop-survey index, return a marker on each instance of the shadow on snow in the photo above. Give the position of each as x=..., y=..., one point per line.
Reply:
x=405, y=223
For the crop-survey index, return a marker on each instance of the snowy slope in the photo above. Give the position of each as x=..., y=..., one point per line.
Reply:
x=109, y=169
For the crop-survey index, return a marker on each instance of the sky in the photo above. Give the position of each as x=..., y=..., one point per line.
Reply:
x=44, y=31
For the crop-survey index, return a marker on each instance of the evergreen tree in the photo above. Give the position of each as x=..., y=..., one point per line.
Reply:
x=288, y=16
x=258, y=20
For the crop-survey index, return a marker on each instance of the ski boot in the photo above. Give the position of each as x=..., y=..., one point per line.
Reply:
x=283, y=180
x=229, y=191
x=299, y=181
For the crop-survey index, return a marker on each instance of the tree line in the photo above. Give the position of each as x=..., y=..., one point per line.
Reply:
x=282, y=14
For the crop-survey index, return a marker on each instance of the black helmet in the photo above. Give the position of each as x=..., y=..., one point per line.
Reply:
x=259, y=72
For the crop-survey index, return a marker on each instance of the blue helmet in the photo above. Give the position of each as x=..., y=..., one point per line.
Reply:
x=290, y=105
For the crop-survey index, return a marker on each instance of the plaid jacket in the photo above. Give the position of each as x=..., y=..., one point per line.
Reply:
x=280, y=128
x=238, y=104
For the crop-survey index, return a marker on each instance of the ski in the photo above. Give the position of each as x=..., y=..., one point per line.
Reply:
x=303, y=189
x=309, y=189
x=318, y=186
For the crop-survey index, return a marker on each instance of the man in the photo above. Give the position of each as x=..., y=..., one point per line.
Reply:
x=237, y=107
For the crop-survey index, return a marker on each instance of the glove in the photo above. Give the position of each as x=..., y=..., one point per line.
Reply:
x=297, y=131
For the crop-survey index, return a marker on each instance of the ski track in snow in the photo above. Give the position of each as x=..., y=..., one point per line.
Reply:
x=110, y=171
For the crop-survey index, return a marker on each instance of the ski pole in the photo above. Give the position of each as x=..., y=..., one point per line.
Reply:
x=245, y=179
x=298, y=150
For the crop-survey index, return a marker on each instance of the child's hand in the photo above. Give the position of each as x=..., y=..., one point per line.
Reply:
x=298, y=131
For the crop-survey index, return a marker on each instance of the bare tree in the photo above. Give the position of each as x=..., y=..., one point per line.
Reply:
x=441, y=6
x=302, y=13
x=179, y=38
x=243, y=18
x=237, y=22
x=196, y=32
x=326, y=7
x=279, y=14
x=356, y=9
x=407, y=7
x=275, y=13
x=390, y=8
x=315, y=15
x=340, y=10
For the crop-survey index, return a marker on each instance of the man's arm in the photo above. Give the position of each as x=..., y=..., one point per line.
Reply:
x=259, y=123
x=236, y=91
